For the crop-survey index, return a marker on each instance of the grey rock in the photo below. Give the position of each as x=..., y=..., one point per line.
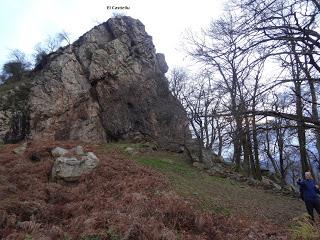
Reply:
x=90, y=161
x=78, y=150
x=58, y=152
x=72, y=168
x=67, y=168
x=20, y=149
x=199, y=165
x=129, y=150
x=209, y=158
x=276, y=186
x=267, y=183
x=162, y=63
x=150, y=145
x=253, y=182
x=217, y=168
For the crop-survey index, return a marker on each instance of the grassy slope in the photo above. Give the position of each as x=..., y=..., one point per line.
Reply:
x=123, y=198
x=223, y=196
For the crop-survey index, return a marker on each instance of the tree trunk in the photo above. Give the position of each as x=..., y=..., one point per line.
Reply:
x=299, y=110
x=250, y=151
x=256, y=148
x=219, y=138
x=315, y=115
x=281, y=157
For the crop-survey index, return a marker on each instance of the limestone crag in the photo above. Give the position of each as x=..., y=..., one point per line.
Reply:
x=108, y=85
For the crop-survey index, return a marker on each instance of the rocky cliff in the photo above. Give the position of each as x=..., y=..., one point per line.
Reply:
x=108, y=85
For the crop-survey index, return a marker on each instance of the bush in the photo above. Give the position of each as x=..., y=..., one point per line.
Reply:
x=91, y=237
x=15, y=68
x=305, y=229
x=112, y=234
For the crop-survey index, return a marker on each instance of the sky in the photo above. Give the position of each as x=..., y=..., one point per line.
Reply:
x=24, y=23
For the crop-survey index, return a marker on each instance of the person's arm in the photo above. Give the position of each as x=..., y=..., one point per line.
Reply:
x=301, y=183
x=316, y=187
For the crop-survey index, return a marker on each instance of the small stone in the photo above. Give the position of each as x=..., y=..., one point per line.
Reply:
x=35, y=157
x=199, y=165
x=20, y=149
x=90, y=161
x=276, y=186
x=59, y=152
x=78, y=150
x=129, y=150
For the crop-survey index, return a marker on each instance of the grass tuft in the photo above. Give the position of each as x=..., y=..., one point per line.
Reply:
x=305, y=229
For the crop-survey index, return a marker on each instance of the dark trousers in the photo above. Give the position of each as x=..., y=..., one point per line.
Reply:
x=313, y=204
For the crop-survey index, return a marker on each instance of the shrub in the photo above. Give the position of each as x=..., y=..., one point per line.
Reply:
x=305, y=229
x=28, y=237
x=16, y=67
x=91, y=237
x=112, y=234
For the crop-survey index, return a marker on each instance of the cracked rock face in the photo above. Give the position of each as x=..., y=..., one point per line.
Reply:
x=108, y=85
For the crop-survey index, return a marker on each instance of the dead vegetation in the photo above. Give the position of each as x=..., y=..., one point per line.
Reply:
x=119, y=200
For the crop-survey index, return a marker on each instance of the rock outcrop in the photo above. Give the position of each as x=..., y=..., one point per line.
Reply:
x=108, y=85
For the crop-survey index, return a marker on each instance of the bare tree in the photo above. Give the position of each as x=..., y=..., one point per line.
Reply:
x=16, y=67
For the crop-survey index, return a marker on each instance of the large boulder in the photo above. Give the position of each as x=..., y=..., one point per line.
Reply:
x=70, y=165
x=209, y=158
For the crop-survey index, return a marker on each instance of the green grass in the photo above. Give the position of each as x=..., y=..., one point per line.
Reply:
x=184, y=178
x=121, y=146
x=112, y=234
x=28, y=237
x=212, y=193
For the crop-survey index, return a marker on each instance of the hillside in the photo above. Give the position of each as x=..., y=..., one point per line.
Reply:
x=135, y=193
